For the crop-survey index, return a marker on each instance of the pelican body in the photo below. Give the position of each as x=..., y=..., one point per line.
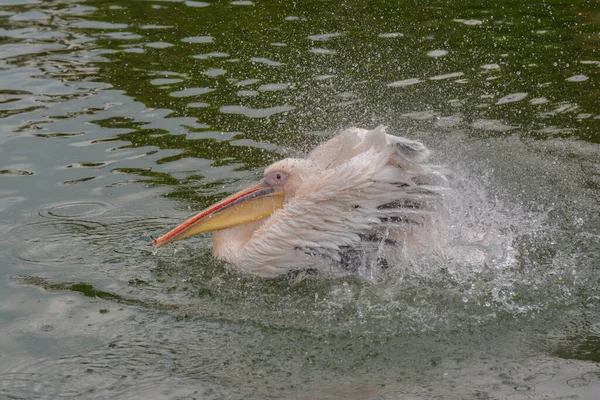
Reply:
x=360, y=190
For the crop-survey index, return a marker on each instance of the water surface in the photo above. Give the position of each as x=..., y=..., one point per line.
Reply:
x=122, y=118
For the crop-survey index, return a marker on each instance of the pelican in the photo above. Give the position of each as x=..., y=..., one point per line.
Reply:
x=362, y=189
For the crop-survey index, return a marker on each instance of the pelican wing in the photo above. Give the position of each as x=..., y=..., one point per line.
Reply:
x=353, y=141
x=370, y=186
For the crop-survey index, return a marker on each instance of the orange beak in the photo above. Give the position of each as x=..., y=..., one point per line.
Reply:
x=256, y=202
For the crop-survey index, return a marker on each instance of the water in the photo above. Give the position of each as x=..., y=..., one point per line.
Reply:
x=122, y=118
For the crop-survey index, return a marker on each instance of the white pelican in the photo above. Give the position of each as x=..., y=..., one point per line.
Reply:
x=361, y=189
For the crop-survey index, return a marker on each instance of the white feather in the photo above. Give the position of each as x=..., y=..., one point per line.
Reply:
x=359, y=184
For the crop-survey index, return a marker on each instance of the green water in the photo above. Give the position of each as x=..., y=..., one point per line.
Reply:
x=121, y=118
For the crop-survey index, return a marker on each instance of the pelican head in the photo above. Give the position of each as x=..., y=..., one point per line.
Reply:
x=280, y=182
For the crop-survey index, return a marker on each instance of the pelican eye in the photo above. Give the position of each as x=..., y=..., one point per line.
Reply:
x=276, y=178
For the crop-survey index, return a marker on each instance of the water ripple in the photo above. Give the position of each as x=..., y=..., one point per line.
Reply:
x=324, y=37
x=191, y=92
x=446, y=76
x=511, y=98
x=437, y=53
x=469, y=21
x=165, y=81
x=76, y=209
x=214, y=54
x=255, y=112
x=77, y=233
x=98, y=25
x=159, y=45
x=198, y=39
x=15, y=172
x=578, y=78
x=196, y=4
x=273, y=87
x=318, y=50
x=263, y=60
x=391, y=35
x=405, y=82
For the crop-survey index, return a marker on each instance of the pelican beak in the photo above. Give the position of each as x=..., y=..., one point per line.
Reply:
x=256, y=202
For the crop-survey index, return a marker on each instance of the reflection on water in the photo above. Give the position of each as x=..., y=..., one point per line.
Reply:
x=120, y=119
